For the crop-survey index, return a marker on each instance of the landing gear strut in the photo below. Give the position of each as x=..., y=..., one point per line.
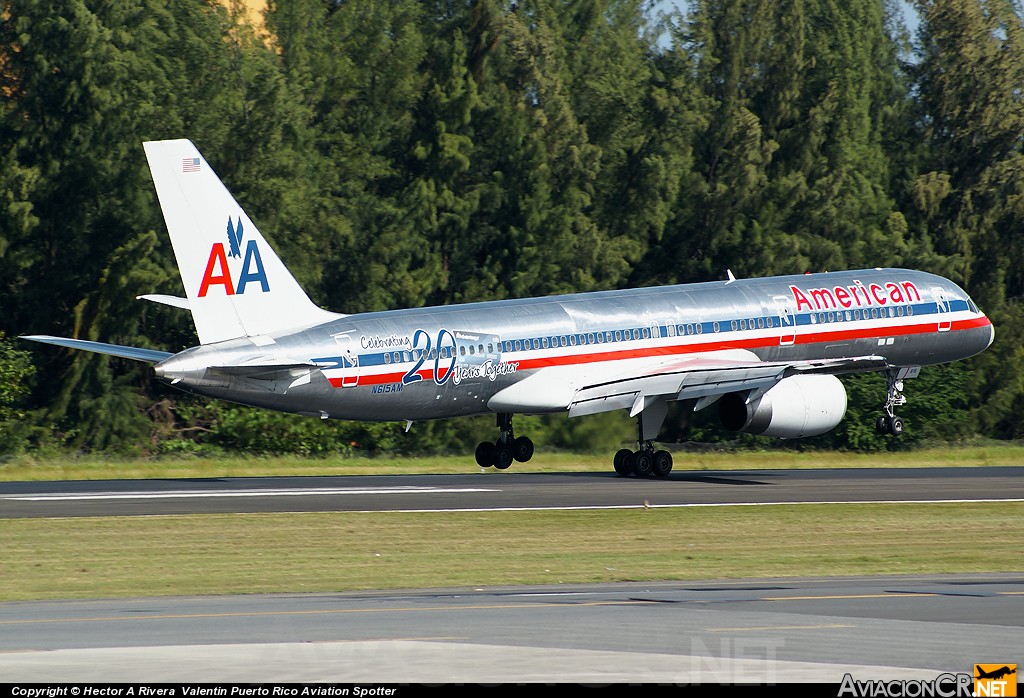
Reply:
x=890, y=423
x=645, y=461
x=507, y=449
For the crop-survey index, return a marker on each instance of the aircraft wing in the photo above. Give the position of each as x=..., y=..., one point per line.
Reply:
x=135, y=353
x=703, y=379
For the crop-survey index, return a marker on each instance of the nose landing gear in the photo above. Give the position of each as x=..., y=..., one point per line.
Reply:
x=890, y=422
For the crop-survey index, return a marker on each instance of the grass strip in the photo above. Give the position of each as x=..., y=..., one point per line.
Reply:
x=323, y=552
x=27, y=468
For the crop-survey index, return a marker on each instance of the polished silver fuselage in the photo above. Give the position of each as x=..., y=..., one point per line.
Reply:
x=447, y=361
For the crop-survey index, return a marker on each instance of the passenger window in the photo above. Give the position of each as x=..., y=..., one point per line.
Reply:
x=760, y=323
x=387, y=358
x=544, y=342
x=743, y=324
x=647, y=333
x=717, y=327
x=910, y=310
x=590, y=338
x=406, y=356
x=733, y=325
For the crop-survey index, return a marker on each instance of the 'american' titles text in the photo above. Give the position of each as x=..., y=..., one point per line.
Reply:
x=856, y=296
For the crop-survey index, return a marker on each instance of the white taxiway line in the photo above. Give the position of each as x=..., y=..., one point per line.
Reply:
x=192, y=494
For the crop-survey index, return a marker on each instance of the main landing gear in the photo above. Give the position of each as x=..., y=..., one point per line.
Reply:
x=645, y=461
x=890, y=422
x=507, y=449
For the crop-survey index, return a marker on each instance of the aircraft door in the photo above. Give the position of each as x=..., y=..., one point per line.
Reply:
x=942, y=308
x=787, y=320
x=349, y=361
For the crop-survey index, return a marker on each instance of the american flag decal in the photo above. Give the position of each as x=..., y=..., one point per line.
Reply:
x=190, y=165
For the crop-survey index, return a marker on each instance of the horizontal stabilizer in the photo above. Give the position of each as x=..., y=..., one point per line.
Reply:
x=176, y=301
x=135, y=353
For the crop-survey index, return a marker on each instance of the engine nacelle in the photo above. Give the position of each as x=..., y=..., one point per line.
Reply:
x=795, y=407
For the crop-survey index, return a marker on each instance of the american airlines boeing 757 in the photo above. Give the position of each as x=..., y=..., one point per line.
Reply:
x=766, y=352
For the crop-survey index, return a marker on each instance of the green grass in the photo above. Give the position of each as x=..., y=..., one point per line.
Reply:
x=103, y=468
x=323, y=552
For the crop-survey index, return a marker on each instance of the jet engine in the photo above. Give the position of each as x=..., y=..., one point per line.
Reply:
x=795, y=407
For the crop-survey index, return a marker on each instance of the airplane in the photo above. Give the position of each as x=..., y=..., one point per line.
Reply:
x=767, y=350
x=996, y=673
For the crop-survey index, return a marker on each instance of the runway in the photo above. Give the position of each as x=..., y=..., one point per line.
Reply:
x=687, y=632
x=496, y=490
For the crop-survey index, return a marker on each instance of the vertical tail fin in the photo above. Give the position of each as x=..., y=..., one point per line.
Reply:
x=235, y=283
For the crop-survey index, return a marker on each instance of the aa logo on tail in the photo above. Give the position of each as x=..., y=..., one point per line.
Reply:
x=218, y=273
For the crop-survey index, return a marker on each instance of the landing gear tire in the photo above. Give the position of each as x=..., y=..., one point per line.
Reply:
x=522, y=449
x=485, y=454
x=622, y=464
x=889, y=425
x=508, y=448
x=662, y=464
x=642, y=463
x=502, y=457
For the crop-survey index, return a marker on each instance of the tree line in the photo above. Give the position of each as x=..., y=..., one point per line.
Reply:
x=407, y=153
